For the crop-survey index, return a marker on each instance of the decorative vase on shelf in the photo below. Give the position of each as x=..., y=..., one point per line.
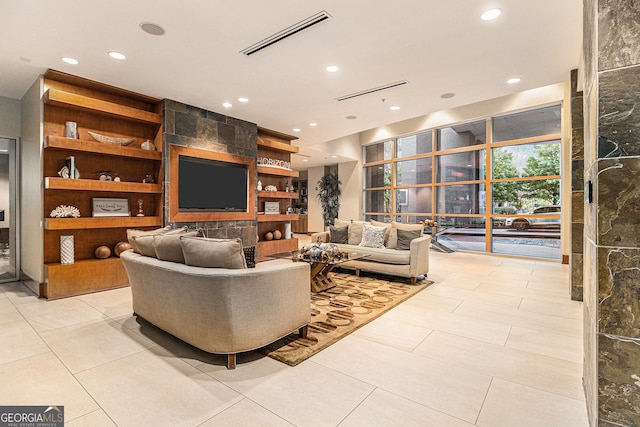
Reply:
x=66, y=249
x=259, y=185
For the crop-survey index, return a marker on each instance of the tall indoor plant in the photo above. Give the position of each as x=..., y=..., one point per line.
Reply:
x=329, y=195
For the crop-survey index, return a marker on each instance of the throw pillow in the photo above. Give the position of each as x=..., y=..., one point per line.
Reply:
x=339, y=234
x=392, y=243
x=355, y=232
x=132, y=233
x=144, y=245
x=405, y=237
x=217, y=253
x=372, y=237
x=168, y=248
x=341, y=223
x=387, y=232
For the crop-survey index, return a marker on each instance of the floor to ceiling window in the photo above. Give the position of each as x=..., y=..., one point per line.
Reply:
x=493, y=185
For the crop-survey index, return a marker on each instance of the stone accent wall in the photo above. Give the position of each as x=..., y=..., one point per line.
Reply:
x=577, y=188
x=612, y=221
x=194, y=127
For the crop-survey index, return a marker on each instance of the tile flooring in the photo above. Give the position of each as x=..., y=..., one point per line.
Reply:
x=495, y=341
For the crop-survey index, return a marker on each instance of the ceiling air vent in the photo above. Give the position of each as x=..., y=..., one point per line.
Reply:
x=372, y=90
x=287, y=32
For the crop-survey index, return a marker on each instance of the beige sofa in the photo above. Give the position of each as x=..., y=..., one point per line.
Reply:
x=221, y=310
x=412, y=263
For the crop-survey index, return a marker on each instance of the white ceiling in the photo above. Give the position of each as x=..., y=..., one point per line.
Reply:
x=438, y=46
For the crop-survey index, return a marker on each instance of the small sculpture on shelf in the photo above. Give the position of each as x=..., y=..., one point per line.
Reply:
x=121, y=247
x=103, y=252
x=277, y=235
x=259, y=185
x=69, y=170
x=287, y=187
x=271, y=188
x=65, y=211
x=104, y=176
x=116, y=177
x=148, y=145
x=148, y=179
x=140, y=209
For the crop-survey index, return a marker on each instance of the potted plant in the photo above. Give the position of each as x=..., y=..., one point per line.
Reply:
x=329, y=195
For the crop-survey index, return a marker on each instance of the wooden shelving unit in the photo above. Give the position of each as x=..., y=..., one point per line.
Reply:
x=108, y=111
x=275, y=145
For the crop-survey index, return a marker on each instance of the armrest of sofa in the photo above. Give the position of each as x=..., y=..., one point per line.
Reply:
x=323, y=235
x=420, y=256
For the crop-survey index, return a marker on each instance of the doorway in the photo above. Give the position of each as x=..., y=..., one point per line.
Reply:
x=9, y=253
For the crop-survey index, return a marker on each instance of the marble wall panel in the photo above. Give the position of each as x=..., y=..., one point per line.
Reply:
x=577, y=175
x=619, y=380
x=618, y=291
x=190, y=126
x=577, y=143
x=577, y=277
x=618, y=33
x=618, y=116
x=619, y=202
x=577, y=207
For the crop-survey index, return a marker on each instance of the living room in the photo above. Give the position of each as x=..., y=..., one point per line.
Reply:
x=504, y=340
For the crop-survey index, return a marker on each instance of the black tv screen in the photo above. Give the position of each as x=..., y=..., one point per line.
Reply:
x=211, y=186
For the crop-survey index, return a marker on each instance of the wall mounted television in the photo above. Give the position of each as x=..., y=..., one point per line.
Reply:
x=210, y=186
x=206, y=185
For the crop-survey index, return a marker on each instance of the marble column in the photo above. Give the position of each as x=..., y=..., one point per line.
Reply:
x=577, y=188
x=612, y=220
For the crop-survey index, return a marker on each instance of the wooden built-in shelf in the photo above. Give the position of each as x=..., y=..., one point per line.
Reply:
x=100, y=148
x=277, y=146
x=101, y=222
x=59, y=98
x=277, y=195
x=266, y=170
x=55, y=183
x=277, y=217
x=266, y=247
x=83, y=276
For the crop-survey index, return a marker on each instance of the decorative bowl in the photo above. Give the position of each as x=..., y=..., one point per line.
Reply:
x=110, y=139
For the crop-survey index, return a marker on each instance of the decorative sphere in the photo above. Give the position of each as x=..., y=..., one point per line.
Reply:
x=268, y=236
x=103, y=252
x=277, y=235
x=120, y=247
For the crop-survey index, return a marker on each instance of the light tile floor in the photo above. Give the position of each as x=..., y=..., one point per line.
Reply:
x=495, y=341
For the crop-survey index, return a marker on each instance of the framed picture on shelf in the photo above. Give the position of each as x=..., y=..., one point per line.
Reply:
x=102, y=207
x=272, y=208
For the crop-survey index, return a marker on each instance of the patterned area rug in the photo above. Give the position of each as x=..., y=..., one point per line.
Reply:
x=338, y=311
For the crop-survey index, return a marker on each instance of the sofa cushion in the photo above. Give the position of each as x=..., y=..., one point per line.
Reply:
x=132, y=233
x=144, y=245
x=383, y=255
x=405, y=237
x=341, y=223
x=339, y=234
x=220, y=253
x=355, y=232
x=401, y=226
x=168, y=247
x=372, y=236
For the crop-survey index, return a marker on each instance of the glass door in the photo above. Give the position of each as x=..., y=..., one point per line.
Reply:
x=9, y=259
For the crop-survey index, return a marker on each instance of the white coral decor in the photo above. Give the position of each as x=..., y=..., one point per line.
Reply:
x=64, y=211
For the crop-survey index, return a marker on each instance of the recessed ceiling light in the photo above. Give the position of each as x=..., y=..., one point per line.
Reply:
x=490, y=14
x=117, y=55
x=242, y=99
x=332, y=68
x=394, y=108
x=305, y=160
x=334, y=157
x=514, y=80
x=447, y=95
x=296, y=129
x=313, y=124
x=351, y=117
x=151, y=28
x=70, y=60
x=227, y=105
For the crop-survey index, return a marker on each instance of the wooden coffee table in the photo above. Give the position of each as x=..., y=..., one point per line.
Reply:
x=320, y=268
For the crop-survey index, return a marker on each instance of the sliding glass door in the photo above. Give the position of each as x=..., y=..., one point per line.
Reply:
x=9, y=259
